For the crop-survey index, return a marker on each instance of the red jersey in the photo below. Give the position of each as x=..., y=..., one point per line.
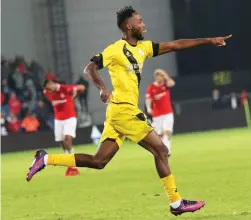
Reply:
x=15, y=105
x=62, y=101
x=160, y=95
x=14, y=125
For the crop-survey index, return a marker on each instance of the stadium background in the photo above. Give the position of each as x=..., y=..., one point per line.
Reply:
x=61, y=35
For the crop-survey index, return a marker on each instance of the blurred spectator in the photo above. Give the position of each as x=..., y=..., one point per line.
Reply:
x=243, y=97
x=233, y=101
x=18, y=79
x=5, y=68
x=14, y=124
x=5, y=88
x=216, y=95
x=37, y=71
x=30, y=95
x=2, y=98
x=4, y=131
x=216, y=99
x=83, y=97
x=43, y=115
x=30, y=123
x=14, y=104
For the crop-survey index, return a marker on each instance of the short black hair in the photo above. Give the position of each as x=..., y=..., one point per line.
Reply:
x=123, y=14
x=46, y=81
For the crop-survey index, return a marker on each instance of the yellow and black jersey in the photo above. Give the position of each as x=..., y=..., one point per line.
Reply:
x=125, y=64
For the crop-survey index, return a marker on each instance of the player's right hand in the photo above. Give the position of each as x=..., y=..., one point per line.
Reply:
x=104, y=95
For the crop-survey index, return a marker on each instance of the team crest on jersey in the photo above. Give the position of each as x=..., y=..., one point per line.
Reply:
x=62, y=95
x=141, y=52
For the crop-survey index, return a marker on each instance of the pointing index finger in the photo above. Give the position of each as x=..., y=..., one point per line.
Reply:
x=227, y=37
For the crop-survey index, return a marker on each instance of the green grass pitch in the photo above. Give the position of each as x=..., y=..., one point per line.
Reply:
x=213, y=166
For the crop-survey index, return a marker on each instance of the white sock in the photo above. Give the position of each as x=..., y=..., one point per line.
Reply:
x=167, y=142
x=176, y=204
x=46, y=159
x=71, y=151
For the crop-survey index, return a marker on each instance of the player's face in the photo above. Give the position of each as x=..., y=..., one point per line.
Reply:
x=137, y=27
x=159, y=78
x=51, y=86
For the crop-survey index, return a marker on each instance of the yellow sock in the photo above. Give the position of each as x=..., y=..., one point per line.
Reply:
x=170, y=188
x=67, y=160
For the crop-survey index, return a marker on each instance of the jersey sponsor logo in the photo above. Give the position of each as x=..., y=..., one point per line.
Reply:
x=131, y=67
x=57, y=102
x=62, y=95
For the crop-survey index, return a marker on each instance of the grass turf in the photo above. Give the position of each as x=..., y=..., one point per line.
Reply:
x=214, y=166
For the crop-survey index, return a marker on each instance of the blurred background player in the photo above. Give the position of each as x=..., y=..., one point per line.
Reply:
x=61, y=97
x=158, y=105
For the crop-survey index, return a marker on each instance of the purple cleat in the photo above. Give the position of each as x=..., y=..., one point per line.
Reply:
x=37, y=164
x=187, y=206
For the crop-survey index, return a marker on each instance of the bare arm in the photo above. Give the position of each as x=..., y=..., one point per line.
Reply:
x=149, y=106
x=91, y=70
x=80, y=89
x=166, y=47
x=169, y=79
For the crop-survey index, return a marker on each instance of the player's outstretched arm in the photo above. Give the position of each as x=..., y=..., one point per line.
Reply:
x=166, y=47
x=91, y=70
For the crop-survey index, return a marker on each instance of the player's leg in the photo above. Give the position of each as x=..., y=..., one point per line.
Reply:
x=68, y=149
x=153, y=144
x=167, y=126
x=110, y=142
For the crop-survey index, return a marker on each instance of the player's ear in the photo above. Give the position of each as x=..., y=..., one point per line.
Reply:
x=128, y=26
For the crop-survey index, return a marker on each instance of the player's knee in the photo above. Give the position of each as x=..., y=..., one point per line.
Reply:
x=168, y=133
x=161, y=151
x=67, y=143
x=100, y=164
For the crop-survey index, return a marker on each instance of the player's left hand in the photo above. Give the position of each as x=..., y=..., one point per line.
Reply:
x=220, y=41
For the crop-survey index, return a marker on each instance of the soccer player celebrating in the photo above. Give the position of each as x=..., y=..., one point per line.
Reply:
x=158, y=105
x=124, y=60
x=65, y=123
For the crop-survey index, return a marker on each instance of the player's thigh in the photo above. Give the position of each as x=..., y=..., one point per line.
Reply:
x=70, y=126
x=106, y=150
x=58, y=130
x=153, y=143
x=135, y=127
x=158, y=125
x=168, y=122
x=110, y=133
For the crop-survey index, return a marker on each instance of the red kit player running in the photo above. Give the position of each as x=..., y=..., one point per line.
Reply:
x=158, y=104
x=61, y=97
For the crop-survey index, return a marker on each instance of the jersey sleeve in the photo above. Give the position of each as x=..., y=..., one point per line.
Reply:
x=105, y=58
x=69, y=89
x=149, y=93
x=151, y=49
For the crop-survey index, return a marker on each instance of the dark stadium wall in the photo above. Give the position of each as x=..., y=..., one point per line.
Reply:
x=187, y=122
x=92, y=26
x=194, y=18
